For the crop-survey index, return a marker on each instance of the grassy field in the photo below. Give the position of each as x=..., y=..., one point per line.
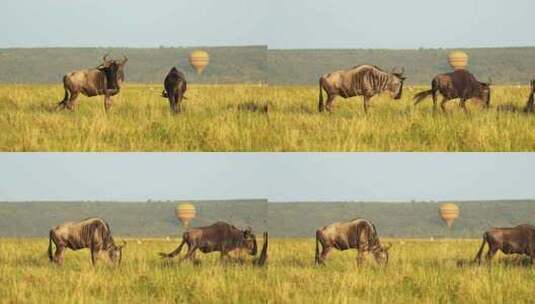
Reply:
x=419, y=271
x=220, y=118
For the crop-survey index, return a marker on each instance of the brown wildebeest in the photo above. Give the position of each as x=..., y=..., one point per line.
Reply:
x=106, y=79
x=515, y=240
x=363, y=80
x=92, y=233
x=458, y=84
x=174, y=88
x=359, y=234
x=219, y=236
x=530, y=106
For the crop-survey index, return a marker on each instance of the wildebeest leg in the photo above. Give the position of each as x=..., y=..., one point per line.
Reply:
x=178, y=101
x=480, y=251
x=62, y=104
x=330, y=99
x=72, y=100
x=324, y=253
x=58, y=255
x=366, y=104
x=443, y=104
x=434, y=101
x=190, y=255
x=490, y=254
x=463, y=105
x=361, y=257
x=107, y=102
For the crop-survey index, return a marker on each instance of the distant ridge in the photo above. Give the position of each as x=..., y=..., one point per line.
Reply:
x=258, y=64
x=282, y=219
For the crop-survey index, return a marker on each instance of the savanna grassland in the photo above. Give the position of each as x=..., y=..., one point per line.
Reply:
x=231, y=118
x=419, y=272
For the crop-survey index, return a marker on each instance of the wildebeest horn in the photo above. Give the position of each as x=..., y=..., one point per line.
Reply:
x=123, y=244
x=105, y=57
x=125, y=59
x=388, y=246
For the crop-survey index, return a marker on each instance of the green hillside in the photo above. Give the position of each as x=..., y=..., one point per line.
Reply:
x=34, y=219
x=503, y=65
x=257, y=64
x=418, y=219
x=48, y=65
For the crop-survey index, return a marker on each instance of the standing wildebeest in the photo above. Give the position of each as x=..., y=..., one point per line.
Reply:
x=530, y=106
x=519, y=240
x=359, y=234
x=363, y=80
x=174, y=88
x=458, y=84
x=105, y=79
x=219, y=236
x=92, y=233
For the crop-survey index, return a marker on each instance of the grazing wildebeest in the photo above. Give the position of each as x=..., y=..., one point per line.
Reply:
x=363, y=80
x=458, y=84
x=92, y=233
x=530, y=106
x=174, y=88
x=514, y=240
x=219, y=236
x=105, y=79
x=359, y=234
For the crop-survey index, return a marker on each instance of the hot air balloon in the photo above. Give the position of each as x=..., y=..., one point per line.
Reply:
x=458, y=60
x=199, y=60
x=449, y=213
x=185, y=212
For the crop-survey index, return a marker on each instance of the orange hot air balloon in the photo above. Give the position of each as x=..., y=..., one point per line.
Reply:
x=449, y=213
x=199, y=60
x=458, y=60
x=185, y=212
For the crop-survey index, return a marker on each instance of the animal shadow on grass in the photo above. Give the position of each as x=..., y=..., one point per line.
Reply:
x=516, y=261
x=254, y=107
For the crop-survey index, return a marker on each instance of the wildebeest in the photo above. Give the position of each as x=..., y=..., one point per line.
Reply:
x=458, y=84
x=359, y=234
x=219, y=236
x=105, y=79
x=530, y=106
x=174, y=88
x=91, y=233
x=511, y=240
x=363, y=80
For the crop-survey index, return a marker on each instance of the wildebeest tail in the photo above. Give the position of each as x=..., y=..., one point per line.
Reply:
x=50, y=257
x=317, y=247
x=421, y=96
x=66, y=96
x=480, y=251
x=320, y=105
x=175, y=252
x=263, y=254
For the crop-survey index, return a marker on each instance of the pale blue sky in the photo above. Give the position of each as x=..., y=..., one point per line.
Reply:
x=275, y=176
x=277, y=23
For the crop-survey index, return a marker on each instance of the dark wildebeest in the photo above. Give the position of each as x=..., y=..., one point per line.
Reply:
x=515, y=240
x=92, y=233
x=219, y=236
x=359, y=234
x=530, y=106
x=106, y=79
x=458, y=84
x=174, y=88
x=363, y=80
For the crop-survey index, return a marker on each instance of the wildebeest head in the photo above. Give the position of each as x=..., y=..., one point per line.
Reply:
x=116, y=253
x=380, y=253
x=114, y=70
x=396, y=85
x=249, y=241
